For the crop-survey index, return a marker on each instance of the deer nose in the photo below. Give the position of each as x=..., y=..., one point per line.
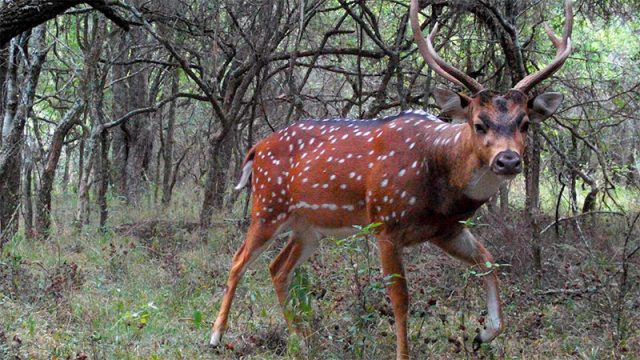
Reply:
x=507, y=163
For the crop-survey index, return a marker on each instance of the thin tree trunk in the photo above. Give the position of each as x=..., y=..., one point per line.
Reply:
x=504, y=198
x=66, y=172
x=102, y=175
x=4, y=62
x=80, y=163
x=157, y=180
x=82, y=213
x=168, y=143
x=573, y=158
x=176, y=170
x=27, y=198
x=532, y=201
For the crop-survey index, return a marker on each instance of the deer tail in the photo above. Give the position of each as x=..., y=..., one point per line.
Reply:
x=247, y=169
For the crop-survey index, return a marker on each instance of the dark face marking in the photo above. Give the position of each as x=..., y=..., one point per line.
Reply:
x=502, y=114
x=504, y=124
x=519, y=118
x=501, y=105
x=486, y=119
x=516, y=96
x=485, y=97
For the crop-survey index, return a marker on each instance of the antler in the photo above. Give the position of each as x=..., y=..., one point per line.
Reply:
x=563, y=49
x=433, y=60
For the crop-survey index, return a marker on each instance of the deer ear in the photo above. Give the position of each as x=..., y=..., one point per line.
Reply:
x=452, y=104
x=544, y=105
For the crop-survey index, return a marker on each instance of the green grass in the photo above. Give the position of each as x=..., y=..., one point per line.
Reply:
x=152, y=292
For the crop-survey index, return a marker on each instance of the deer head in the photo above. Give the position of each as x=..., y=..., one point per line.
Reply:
x=498, y=122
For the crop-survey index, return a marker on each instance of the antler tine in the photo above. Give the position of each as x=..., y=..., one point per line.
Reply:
x=563, y=50
x=469, y=82
x=424, y=49
x=433, y=60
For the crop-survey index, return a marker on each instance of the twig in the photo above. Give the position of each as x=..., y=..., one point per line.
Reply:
x=579, y=215
x=587, y=290
x=628, y=237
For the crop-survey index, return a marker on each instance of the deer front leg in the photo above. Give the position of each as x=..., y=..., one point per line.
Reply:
x=391, y=260
x=465, y=247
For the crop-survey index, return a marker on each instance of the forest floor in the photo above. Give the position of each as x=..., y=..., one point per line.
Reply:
x=150, y=289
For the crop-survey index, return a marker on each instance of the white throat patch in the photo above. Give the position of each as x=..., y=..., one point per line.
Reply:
x=484, y=184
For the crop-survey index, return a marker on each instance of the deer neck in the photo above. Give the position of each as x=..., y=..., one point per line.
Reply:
x=454, y=159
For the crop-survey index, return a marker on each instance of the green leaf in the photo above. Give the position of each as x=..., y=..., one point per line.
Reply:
x=469, y=223
x=197, y=318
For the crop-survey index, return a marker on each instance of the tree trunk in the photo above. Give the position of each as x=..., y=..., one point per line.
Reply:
x=120, y=108
x=102, y=175
x=82, y=212
x=93, y=85
x=157, y=156
x=215, y=183
x=133, y=139
x=504, y=198
x=13, y=132
x=27, y=198
x=167, y=155
x=119, y=135
x=10, y=105
x=4, y=62
x=532, y=201
x=573, y=191
x=43, y=207
x=80, y=163
x=66, y=172
x=139, y=128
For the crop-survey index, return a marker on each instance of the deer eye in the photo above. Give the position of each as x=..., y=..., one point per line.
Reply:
x=524, y=127
x=480, y=129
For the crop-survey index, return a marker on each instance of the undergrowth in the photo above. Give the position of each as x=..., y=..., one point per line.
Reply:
x=150, y=286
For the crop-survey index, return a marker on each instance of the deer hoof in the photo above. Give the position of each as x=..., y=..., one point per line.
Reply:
x=215, y=339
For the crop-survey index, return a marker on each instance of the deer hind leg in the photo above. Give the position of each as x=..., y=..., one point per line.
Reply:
x=254, y=244
x=302, y=244
x=391, y=260
x=466, y=248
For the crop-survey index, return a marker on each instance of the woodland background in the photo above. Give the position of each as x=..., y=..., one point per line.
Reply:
x=124, y=124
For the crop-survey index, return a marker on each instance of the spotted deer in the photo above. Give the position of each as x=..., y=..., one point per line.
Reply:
x=418, y=176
